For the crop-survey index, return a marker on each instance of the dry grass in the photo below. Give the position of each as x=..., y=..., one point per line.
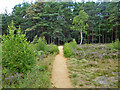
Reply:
x=94, y=74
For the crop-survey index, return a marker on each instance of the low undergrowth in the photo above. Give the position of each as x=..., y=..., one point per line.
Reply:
x=41, y=48
x=68, y=49
x=94, y=66
x=93, y=74
x=38, y=77
x=26, y=64
x=115, y=45
x=95, y=52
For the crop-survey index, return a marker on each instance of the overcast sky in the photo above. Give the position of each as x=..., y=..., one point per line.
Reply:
x=9, y=4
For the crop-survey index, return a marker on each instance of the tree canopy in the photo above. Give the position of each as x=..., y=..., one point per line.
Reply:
x=80, y=22
x=53, y=20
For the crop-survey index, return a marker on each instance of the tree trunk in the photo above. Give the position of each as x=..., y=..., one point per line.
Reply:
x=99, y=30
x=88, y=37
x=112, y=34
x=106, y=38
x=81, y=37
x=54, y=41
x=92, y=36
x=58, y=41
x=116, y=33
x=48, y=40
x=103, y=37
x=51, y=38
x=95, y=35
x=85, y=38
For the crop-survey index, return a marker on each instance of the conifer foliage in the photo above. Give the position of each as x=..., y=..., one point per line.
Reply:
x=17, y=57
x=53, y=20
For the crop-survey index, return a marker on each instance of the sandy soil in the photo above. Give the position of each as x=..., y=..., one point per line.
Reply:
x=60, y=73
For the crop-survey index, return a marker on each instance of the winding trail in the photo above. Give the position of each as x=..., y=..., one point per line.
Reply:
x=60, y=75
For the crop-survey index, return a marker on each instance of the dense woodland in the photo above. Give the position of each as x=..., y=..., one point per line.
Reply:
x=54, y=21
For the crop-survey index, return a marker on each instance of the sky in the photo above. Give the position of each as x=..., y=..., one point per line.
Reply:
x=9, y=4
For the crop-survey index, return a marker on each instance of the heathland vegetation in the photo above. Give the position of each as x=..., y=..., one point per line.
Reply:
x=24, y=63
x=93, y=65
x=88, y=31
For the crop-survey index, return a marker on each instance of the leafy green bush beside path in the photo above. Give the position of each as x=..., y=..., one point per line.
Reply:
x=22, y=64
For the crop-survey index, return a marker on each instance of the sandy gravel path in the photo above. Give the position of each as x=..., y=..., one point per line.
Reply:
x=60, y=73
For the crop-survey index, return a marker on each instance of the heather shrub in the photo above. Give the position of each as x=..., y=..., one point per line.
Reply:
x=38, y=77
x=17, y=57
x=95, y=52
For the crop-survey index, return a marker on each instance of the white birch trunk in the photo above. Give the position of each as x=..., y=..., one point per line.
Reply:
x=81, y=36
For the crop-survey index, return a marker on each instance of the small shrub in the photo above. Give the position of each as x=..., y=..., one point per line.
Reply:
x=16, y=54
x=40, y=53
x=73, y=44
x=81, y=85
x=34, y=40
x=73, y=75
x=52, y=49
x=41, y=44
x=68, y=48
x=42, y=67
x=115, y=45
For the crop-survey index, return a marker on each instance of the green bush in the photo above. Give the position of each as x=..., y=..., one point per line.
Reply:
x=68, y=48
x=34, y=40
x=115, y=45
x=52, y=49
x=41, y=44
x=73, y=44
x=17, y=57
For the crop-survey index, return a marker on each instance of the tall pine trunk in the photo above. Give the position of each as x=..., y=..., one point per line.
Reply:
x=92, y=36
x=103, y=37
x=116, y=33
x=106, y=38
x=85, y=38
x=51, y=38
x=99, y=30
x=58, y=41
x=112, y=34
x=95, y=34
x=88, y=37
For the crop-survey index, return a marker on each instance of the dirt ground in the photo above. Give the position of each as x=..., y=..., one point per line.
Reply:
x=60, y=75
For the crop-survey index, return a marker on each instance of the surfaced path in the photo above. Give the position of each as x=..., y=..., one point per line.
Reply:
x=60, y=75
